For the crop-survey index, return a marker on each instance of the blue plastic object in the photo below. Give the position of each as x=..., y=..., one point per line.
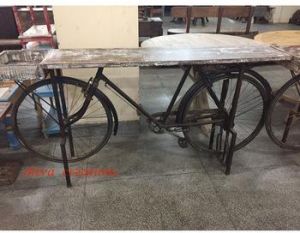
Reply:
x=14, y=144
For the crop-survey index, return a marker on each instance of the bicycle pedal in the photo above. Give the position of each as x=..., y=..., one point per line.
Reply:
x=174, y=129
x=182, y=142
x=155, y=128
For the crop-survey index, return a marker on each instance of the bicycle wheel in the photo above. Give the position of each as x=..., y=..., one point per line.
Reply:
x=283, y=116
x=249, y=118
x=36, y=124
x=260, y=79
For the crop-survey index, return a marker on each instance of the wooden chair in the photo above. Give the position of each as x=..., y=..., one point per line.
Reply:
x=142, y=12
x=204, y=12
x=156, y=11
x=236, y=12
x=183, y=12
x=37, y=33
x=150, y=11
x=214, y=11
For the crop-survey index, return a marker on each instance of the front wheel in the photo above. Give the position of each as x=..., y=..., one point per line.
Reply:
x=36, y=120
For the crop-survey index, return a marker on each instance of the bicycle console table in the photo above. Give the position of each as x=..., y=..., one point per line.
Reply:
x=240, y=56
x=209, y=61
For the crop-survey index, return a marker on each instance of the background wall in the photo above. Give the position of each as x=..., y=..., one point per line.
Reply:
x=102, y=27
x=282, y=14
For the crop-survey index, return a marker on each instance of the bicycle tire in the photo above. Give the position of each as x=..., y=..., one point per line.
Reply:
x=69, y=86
x=196, y=89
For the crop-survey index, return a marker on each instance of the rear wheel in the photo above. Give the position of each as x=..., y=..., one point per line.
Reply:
x=249, y=118
x=36, y=124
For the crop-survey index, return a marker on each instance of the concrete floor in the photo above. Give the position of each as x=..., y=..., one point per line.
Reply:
x=160, y=185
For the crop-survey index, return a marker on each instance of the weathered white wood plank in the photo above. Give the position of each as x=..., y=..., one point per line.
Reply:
x=21, y=64
x=91, y=58
x=294, y=63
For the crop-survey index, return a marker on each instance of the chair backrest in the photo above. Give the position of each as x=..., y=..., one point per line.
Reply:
x=234, y=12
x=205, y=11
x=179, y=11
x=32, y=11
x=188, y=12
x=156, y=11
x=183, y=12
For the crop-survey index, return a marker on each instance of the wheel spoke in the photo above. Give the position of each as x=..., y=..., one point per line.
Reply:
x=39, y=131
x=247, y=124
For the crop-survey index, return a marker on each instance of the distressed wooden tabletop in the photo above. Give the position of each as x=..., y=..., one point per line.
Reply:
x=294, y=51
x=280, y=38
x=91, y=58
x=288, y=41
x=198, y=40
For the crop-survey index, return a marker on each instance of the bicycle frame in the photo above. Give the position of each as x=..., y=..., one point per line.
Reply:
x=93, y=85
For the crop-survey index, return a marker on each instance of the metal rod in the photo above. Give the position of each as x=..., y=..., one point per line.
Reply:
x=178, y=89
x=128, y=99
x=23, y=87
x=65, y=113
x=230, y=123
x=287, y=126
x=212, y=136
x=230, y=153
x=222, y=102
x=62, y=129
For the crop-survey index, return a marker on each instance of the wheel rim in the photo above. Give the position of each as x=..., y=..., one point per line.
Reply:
x=248, y=121
x=37, y=128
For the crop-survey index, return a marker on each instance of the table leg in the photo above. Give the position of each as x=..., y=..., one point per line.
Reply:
x=230, y=124
x=62, y=129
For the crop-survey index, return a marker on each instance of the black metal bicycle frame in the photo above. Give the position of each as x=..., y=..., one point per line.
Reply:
x=100, y=76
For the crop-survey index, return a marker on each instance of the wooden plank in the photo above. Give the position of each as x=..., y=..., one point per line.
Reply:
x=280, y=38
x=294, y=64
x=236, y=11
x=208, y=11
x=288, y=41
x=294, y=51
x=179, y=11
x=21, y=64
x=91, y=58
x=199, y=40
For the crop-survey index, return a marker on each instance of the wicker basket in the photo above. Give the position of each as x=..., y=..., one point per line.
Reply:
x=21, y=64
